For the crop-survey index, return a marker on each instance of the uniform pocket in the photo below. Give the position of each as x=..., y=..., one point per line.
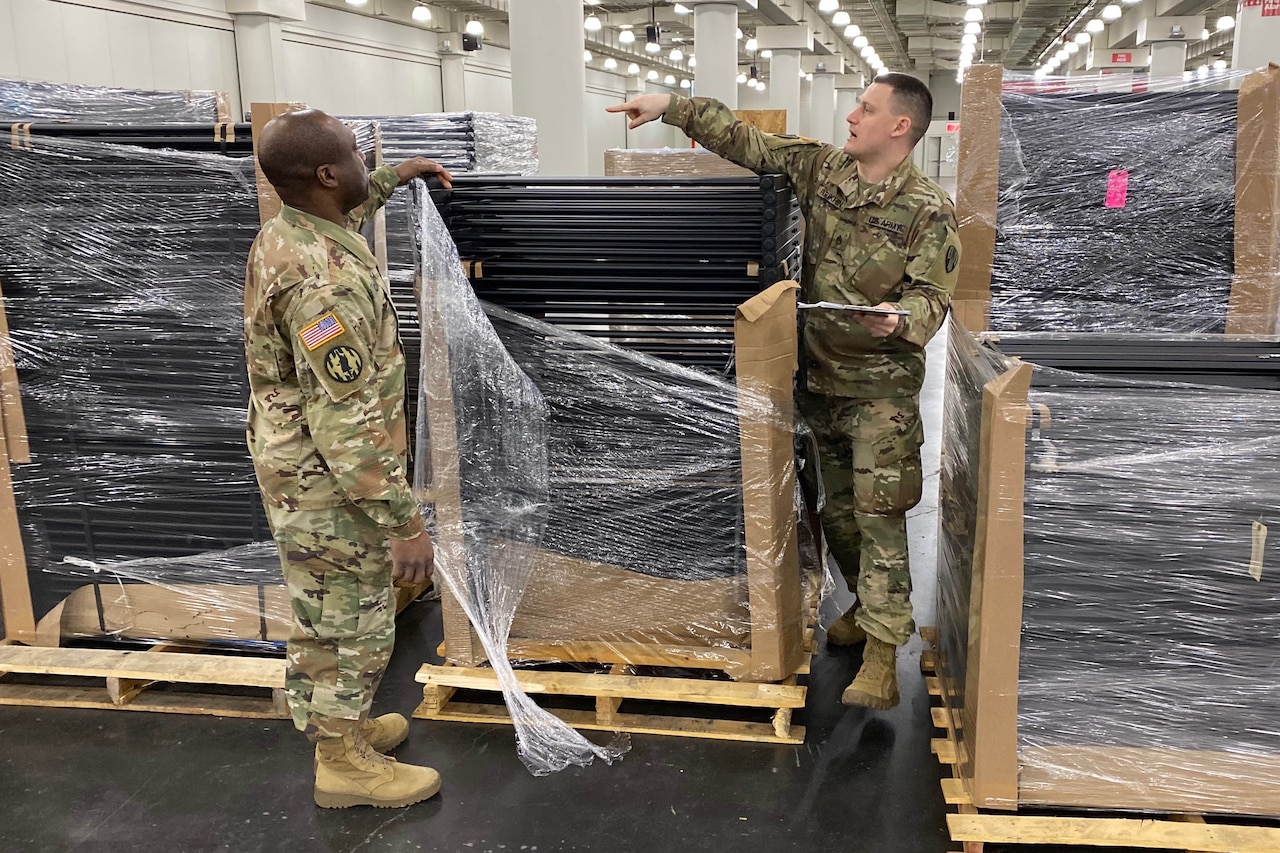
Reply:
x=887, y=475
x=874, y=267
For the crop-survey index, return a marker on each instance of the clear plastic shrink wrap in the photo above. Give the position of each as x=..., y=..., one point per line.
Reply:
x=32, y=101
x=1119, y=204
x=1109, y=600
x=595, y=504
x=122, y=273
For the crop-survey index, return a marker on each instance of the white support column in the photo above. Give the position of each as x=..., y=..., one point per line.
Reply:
x=1257, y=38
x=1168, y=58
x=260, y=46
x=260, y=59
x=453, y=81
x=715, y=27
x=848, y=89
x=787, y=44
x=549, y=80
x=806, y=108
x=822, y=108
x=784, y=86
x=1167, y=37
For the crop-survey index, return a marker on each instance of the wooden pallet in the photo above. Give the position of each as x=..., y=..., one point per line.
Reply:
x=974, y=827
x=618, y=685
x=120, y=680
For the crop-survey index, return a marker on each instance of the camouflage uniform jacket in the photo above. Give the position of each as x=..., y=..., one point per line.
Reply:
x=894, y=242
x=326, y=423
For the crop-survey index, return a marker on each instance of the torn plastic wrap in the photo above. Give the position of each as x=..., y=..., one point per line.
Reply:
x=32, y=101
x=668, y=162
x=594, y=504
x=1109, y=599
x=121, y=271
x=1119, y=206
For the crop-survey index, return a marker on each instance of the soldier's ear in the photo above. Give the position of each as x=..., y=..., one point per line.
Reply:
x=325, y=175
x=902, y=127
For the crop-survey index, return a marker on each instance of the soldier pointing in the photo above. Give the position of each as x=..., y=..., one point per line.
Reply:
x=879, y=234
x=326, y=429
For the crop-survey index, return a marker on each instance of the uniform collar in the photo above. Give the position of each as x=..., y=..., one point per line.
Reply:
x=880, y=194
x=348, y=239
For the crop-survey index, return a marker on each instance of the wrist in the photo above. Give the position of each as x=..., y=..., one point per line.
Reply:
x=411, y=529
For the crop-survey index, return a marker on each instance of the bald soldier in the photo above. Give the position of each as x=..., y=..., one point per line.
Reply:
x=326, y=429
x=879, y=234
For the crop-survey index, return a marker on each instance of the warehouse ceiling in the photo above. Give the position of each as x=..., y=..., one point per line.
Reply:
x=911, y=35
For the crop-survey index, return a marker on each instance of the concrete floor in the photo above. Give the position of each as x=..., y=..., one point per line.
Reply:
x=863, y=782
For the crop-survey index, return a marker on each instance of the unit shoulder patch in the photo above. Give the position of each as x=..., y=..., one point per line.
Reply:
x=953, y=258
x=343, y=364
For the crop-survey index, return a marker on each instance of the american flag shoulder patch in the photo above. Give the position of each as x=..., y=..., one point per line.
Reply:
x=321, y=331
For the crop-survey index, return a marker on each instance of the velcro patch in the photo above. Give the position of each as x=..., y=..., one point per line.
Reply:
x=953, y=258
x=344, y=364
x=321, y=332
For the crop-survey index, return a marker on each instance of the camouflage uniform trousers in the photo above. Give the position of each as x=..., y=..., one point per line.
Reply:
x=337, y=566
x=869, y=454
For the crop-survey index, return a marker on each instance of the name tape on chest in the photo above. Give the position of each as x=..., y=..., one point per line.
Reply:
x=321, y=332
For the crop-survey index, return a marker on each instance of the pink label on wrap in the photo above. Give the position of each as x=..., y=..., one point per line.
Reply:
x=1117, y=187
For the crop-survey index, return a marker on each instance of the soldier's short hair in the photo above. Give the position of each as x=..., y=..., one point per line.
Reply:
x=294, y=145
x=910, y=96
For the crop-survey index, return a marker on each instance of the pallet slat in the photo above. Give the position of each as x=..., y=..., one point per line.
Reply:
x=1113, y=832
x=47, y=696
x=637, y=723
x=143, y=665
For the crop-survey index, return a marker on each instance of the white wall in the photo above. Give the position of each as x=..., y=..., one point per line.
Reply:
x=487, y=80
x=946, y=94
x=137, y=44
x=352, y=64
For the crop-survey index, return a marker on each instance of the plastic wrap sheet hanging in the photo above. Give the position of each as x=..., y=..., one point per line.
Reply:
x=585, y=494
x=1116, y=209
x=31, y=101
x=122, y=272
x=464, y=143
x=1150, y=600
x=646, y=263
x=485, y=545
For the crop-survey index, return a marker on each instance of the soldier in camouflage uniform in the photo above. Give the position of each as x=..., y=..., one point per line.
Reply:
x=877, y=233
x=326, y=429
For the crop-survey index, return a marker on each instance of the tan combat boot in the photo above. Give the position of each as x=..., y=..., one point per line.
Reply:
x=349, y=773
x=383, y=734
x=876, y=685
x=845, y=631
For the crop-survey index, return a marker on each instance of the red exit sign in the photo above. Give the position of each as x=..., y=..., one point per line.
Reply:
x=1122, y=57
x=953, y=127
